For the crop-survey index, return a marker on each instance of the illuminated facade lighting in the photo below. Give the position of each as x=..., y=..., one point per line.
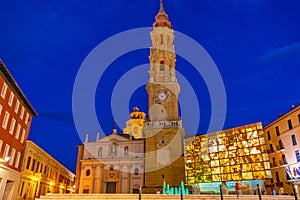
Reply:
x=230, y=155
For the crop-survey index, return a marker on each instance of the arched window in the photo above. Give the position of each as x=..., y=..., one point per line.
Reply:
x=161, y=66
x=136, y=171
x=126, y=151
x=113, y=150
x=111, y=168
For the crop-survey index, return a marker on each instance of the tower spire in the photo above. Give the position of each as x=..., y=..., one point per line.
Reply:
x=161, y=8
x=162, y=19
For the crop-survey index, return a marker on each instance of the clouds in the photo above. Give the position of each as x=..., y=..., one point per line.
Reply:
x=288, y=53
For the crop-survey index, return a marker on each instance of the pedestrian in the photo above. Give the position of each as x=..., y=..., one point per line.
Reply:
x=238, y=189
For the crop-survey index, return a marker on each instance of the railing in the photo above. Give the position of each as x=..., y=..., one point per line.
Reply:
x=279, y=147
x=273, y=164
x=270, y=151
x=163, y=124
x=283, y=162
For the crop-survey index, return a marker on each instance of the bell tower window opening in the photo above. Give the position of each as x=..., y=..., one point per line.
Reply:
x=126, y=151
x=161, y=66
x=161, y=39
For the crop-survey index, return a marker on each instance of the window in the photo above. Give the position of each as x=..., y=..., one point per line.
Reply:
x=297, y=155
x=100, y=151
x=27, y=118
x=41, y=169
x=277, y=131
x=271, y=148
x=28, y=162
x=86, y=191
x=5, y=120
x=136, y=171
x=290, y=124
x=11, y=98
x=135, y=191
x=126, y=151
x=12, y=156
x=284, y=162
x=111, y=168
x=5, y=153
x=299, y=118
x=37, y=166
x=0, y=109
x=3, y=91
x=18, y=160
x=22, y=136
x=33, y=165
x=269, y=135
x=274, y=162
x=280, y=144
x=1, y=143
x=18, y=131
x=12, y=126
x=294, y=141
x=87, y=172
x=161, y=66
x=45, y=170
x=22, y=112
x=113, y=151
x=17, y=106
x=277, y=177
x=21, y=192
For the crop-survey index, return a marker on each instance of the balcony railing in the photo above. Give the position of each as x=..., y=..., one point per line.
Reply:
x=163, y=124
x=270, y=151
x=283, y=162
x=279, y=147
x=273, y=164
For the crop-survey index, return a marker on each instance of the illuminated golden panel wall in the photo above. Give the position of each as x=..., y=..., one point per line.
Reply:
x=230, y=155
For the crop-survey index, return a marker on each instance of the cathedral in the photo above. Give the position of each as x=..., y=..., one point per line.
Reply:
x=149, y=152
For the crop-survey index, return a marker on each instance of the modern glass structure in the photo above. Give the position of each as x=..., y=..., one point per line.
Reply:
x=236, y=154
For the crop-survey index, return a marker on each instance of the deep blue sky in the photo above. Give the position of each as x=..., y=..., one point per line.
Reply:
x=254, y=43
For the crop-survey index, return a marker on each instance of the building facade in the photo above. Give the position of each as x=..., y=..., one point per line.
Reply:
x=283, y=142
x=163, y=130
x=112, y=164
x=42, y=174
x=228, y=156
x=16, y=115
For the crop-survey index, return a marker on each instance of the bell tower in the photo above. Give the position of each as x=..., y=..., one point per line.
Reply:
x=162, y=87
x=163, y=131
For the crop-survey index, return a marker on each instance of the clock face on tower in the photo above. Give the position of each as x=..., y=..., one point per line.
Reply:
x=162, y=96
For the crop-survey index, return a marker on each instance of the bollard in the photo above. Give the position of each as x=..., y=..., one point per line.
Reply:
x=221, y=192
x=258, y=191
x=181, y=193
x=295, y=192
x=140, y=193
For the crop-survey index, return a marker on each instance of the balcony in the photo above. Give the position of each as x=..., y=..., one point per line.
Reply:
x=280, y=147
x=279, y=184
x=283, y=162
x=269, y=151
x=272, y=165
x=169, y=123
